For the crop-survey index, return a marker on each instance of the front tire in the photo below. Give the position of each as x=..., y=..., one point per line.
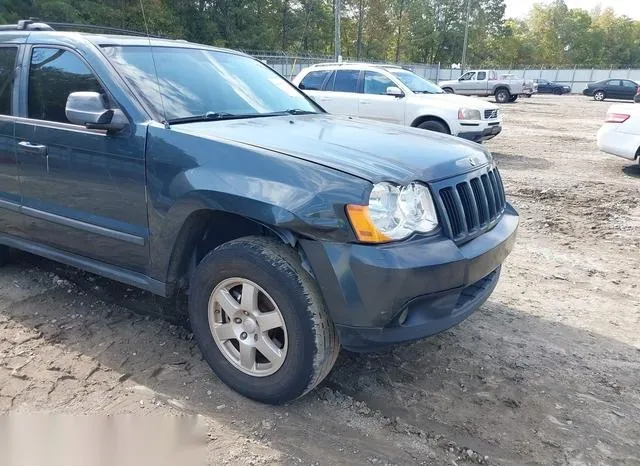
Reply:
x=448, y=90
x=260, y=321
x=4, y=255
x=503, y=96
x=599, y=96
x=435, y=126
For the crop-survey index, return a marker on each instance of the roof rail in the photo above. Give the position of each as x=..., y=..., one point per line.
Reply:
x=348, y=63
x=26, y=25
x=32, y=24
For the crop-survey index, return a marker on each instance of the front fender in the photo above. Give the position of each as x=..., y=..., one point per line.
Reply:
x=187, y=174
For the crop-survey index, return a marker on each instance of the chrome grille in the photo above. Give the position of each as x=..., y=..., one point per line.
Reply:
x=491, y=114
x=473, y=205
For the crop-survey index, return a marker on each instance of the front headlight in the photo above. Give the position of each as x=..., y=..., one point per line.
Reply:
x=469, y=114
x=394, y=213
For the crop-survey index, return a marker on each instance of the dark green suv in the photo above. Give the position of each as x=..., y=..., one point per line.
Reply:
x=169, y=165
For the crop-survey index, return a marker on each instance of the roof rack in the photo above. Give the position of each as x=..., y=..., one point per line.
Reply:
x=350, y=63
x=32, y=24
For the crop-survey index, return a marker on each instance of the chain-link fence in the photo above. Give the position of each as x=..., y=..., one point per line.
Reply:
x=577, y=77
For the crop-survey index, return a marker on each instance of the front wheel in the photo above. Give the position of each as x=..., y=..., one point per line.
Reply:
x=435, y=126
x=4, y=255
x=260, y=321
x=599, y=96
x=503, y=96
x=448, y=90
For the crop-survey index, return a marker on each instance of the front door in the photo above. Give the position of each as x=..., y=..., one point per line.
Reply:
x=376, y=104
x=466, y=83
x=83, y=191
x=10, y=222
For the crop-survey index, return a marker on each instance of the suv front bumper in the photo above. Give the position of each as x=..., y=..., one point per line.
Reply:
x=382, y=295
x=479, y=135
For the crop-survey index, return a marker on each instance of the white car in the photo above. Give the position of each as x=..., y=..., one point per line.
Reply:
x=395, y=95
x=620, y=134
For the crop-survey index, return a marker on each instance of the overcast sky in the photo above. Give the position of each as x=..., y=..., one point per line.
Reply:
x=631, y=8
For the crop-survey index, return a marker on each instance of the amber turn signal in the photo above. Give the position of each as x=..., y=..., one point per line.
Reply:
x=364, y=228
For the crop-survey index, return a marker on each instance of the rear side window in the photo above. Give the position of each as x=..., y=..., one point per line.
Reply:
x=7, y=66
x=482, y=75
x=345, y=81
x=629, y=84
x=53, y=75
x=313, y=81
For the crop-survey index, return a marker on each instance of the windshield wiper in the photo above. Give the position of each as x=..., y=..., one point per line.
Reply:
x=297, y=111
x=205, y=117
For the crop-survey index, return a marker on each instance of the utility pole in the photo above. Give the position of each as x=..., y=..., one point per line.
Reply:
x=466, y=38
x=336, y=9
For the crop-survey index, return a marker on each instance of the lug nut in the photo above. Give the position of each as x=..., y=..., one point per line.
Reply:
x=243, y=335
x=237, y=320
x=245, y=313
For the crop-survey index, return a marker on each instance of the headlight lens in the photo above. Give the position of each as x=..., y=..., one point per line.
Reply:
x=469, y=114
x=394, y=213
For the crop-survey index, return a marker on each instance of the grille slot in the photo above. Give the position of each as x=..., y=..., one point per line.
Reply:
x=491, y=114
x=472, y=206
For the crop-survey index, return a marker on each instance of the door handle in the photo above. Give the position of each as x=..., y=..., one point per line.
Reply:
x=365, y=102
x=26, y=146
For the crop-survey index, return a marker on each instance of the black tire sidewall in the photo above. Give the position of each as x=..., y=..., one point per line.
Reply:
x=434, y=126
x=504, y=92
x=293, y=378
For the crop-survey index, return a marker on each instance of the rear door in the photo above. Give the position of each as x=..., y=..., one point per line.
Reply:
x=83, y=190
x=614, y=89
x=376, y=104
x=341, y=96
x=10, y=218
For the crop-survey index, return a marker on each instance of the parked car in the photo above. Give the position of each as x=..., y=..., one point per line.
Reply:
x=549, y=87
x=395, y=95
x=530, y=87
x=620, y=134
x=292, y=231
x=484, y=83
x=623, y=89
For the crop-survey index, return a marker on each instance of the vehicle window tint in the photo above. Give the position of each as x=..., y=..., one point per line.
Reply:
x=376, y=83
x=629, y=84
x=346, y=81
x=468, y=76
x=482, y=75
x=7, y=65
x=613, y=82
x=53, y=75
x=313, y=81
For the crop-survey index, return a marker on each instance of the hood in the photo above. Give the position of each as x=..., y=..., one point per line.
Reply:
x=366, y=149
x=449, y=82
x=456, y=101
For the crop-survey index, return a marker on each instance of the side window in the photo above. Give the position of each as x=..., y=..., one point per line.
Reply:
x=376, y=83
x=7, y=66
x=468, y=76
x=613, y=82
x=629, y=84
x=53, y=75
x=345, y=81
x=313, y=81
x=482, y=75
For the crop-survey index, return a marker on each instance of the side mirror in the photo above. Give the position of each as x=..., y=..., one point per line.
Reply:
x=89, y=109
x=395, y=91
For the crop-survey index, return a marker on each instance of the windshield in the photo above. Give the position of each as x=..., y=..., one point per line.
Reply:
x=202, y=83
x=415, y=82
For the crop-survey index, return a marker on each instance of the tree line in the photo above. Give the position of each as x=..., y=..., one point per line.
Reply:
x=426, y=31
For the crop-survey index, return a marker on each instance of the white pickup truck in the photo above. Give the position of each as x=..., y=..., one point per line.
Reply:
x=484, y=83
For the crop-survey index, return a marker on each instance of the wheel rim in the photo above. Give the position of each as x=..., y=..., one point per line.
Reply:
x=248, y=327
x=502, y=96
x=599, y=96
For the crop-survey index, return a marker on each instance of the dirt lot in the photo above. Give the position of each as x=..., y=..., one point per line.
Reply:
x=547, y=372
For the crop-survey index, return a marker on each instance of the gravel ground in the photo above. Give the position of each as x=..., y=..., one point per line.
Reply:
x=547, y=372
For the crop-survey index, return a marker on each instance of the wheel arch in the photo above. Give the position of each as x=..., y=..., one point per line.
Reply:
x=422, y=118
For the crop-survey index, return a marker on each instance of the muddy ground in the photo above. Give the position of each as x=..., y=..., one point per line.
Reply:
x=547, y=372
